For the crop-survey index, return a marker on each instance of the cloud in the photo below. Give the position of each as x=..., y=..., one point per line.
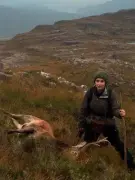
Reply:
x=62, y=5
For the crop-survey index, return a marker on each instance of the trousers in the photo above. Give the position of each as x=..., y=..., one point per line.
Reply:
x=92, y=133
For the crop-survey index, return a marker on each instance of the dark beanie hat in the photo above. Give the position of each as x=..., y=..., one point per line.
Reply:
x=103, y=75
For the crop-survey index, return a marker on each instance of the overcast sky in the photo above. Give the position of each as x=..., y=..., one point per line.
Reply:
x=62, y=5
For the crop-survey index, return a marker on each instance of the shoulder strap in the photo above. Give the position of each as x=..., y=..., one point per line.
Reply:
x=90, y=93
x=109, y=101
x=109, y=94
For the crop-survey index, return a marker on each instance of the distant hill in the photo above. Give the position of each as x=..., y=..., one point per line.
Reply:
x=110, y=6
x=19, y=20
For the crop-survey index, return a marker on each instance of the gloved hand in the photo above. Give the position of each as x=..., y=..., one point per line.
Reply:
x=80, y=132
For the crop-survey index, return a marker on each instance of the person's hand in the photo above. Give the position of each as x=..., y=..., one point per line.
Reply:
x=122, y=112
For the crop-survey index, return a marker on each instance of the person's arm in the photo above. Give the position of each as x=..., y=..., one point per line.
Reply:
x=84, y=110
x=115, y=105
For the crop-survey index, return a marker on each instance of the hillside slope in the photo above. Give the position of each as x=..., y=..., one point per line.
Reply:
x=70, y=51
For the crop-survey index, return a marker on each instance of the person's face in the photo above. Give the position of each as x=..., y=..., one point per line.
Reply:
x=100, y=83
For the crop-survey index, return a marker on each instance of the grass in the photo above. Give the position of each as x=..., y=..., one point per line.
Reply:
x=33, y=95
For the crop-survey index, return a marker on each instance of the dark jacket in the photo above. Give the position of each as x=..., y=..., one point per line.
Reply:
x=103, y=105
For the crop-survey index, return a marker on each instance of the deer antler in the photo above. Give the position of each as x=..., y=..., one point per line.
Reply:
x=96, y=143
x=84, y=145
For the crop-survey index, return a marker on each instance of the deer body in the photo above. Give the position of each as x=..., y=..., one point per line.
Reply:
x=31, y=125
x=40, y=126
x=36, y=127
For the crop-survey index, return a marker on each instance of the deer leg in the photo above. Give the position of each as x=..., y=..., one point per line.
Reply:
x=18, y=125
x=27, y=130
x=19, y=117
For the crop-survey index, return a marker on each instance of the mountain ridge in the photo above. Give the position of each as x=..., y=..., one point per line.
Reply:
x=109, y=6
x=18, y=20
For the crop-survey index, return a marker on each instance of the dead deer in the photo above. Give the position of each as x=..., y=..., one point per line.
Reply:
x=32, y=126
x=36, y=127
